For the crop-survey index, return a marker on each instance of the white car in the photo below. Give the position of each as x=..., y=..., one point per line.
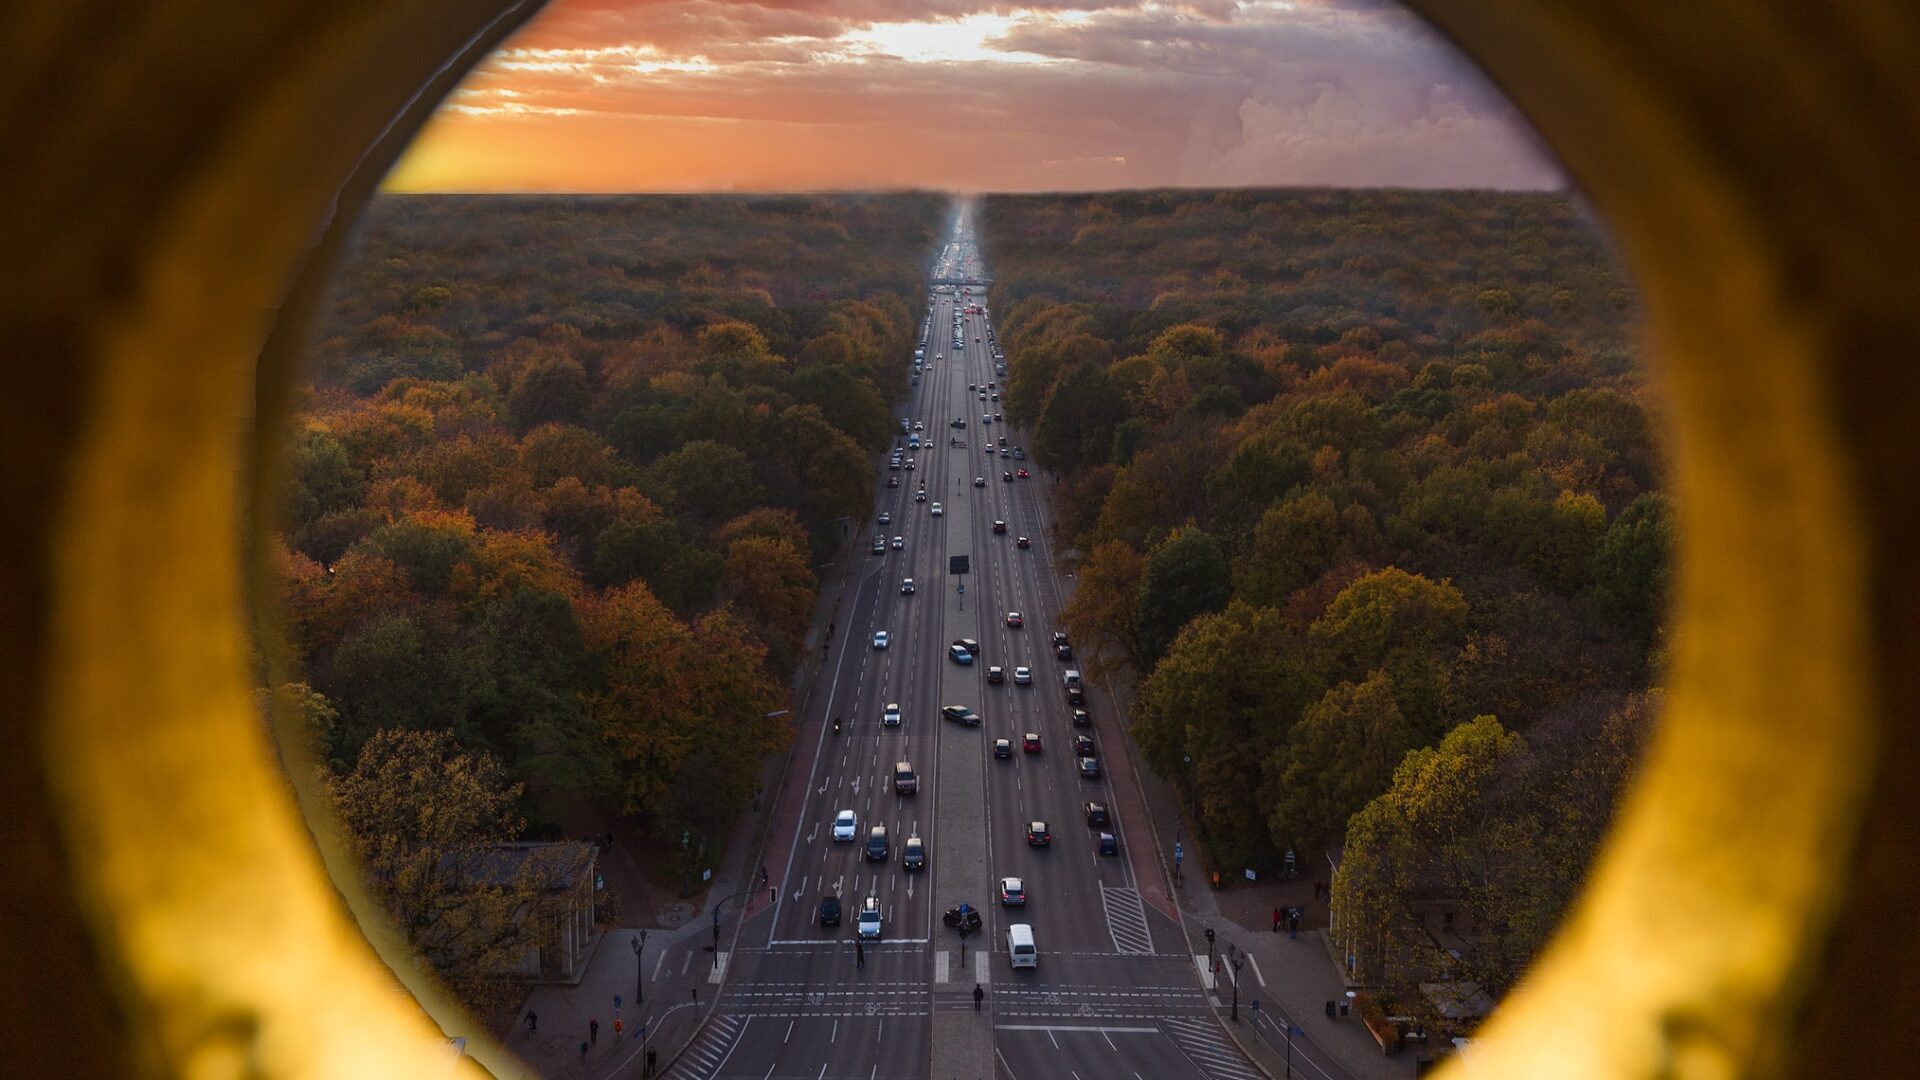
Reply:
x=899, y=542
x=906, y=586
x=844, y=826
x=891, y=715
x=936, y=510
x=880, y=639
x=1023, y=676
x=869, y=924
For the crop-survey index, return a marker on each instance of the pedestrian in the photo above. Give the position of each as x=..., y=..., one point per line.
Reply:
x=593, y=1032
x=653, y=1058
x=533, y=1020
x=1276, y=920
x=619, y=1027
x=583, y=1050
x=859, y=954
x=979, y=995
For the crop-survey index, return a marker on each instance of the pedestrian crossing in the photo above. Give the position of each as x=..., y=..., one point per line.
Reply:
x=1127, y=921
x=705, y=1055
x=1204, y=1044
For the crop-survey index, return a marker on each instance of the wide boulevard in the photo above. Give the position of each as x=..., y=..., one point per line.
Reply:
x=1116, y=992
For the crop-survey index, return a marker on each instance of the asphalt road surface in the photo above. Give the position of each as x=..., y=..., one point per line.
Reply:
x=1115, y=994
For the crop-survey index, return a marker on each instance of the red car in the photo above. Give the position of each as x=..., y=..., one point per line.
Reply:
x=1014, y=621
x=1031, y=743
x=1022, y=474
x=1024, y=542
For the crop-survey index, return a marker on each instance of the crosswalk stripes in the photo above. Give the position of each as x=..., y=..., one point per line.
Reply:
x=1127, y=921
x=704, y=1056
x=1207, y=1047
x=940, y=961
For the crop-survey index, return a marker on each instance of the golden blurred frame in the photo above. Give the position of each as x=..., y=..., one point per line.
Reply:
x=178, y=180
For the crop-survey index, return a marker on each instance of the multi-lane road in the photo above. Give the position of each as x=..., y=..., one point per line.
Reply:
x=1116, y=992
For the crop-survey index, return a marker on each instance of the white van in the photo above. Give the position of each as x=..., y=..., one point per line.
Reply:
x=1073, y=678
x=1020, y=948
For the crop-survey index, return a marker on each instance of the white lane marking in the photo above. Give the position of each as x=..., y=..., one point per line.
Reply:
x=982, y=971
x=1256, y=971
x=1205, y=968
x=719, y=967
x=1079, y=1028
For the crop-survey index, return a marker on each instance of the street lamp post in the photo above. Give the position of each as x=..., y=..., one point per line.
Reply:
x=639, y=969
x=1237, y=963
x=1291, y=1032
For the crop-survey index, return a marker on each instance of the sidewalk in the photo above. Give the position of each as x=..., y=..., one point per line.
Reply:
x=683, y=977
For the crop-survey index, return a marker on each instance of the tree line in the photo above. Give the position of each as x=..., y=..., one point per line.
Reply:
x=558, y=492
x=1363, y=490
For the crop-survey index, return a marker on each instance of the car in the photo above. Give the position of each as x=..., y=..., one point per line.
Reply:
x=881, y=639
x=960, y=714
x=1019, y=454
x=1038, y=835
x=986, y=418
x=959, y=655
x=1022, y=474
x=909, y=464
x=877, y=846
x=1109, y=844
x=1023, y=676
x=830, y=910
x=844, y=825
x=1015, y=621
x=1083, y=744
x=869, y=924
x=1003, y=748
x=971, y=388
x=1002, y=441
x=1007, y=477
x=893, y=464
x=996, y=419
x=1090, y=768
x=919, y=426
x=1000, y=528
x=1063, y=653
x=1097, y=815
x=979, y=481
x=893, y=481
x=1003, y=453
x=958, y=422
x=1059, y=638
x=913, y=854
x=890, y=716
x=1022, y=543
x=936, y=512
x=879, y=545
x=967, y=643
x=898, y=543
x=1013, y=892
x=996, y=676
x=1030, y=742
x=920, y=496
x=1081, y=719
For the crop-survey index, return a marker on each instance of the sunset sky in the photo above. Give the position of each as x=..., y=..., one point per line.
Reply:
x=970, y=95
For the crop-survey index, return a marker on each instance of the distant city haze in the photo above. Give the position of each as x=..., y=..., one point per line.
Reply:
x=967, y=95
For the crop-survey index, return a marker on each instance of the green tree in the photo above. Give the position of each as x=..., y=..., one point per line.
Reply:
x=1076, y=425
x=324, y=479
x=1401, y=623
x=1186, y=576
x=1341, y=754
x=555, y=390
x=657, y=552
x=703, y=482
x=1297, y=540
x=427, y=544
x=1630, y=566
x=1225, y=697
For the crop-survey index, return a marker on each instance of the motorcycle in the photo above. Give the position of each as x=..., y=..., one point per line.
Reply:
x=836, y=725
x=964, y=918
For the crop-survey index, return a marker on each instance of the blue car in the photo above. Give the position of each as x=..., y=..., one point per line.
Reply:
x=959, y=654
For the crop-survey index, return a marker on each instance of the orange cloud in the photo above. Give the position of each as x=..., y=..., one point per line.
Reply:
x=703, y=95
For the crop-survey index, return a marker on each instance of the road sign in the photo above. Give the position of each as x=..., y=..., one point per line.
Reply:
x=958, y=564
x=616, y=1001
